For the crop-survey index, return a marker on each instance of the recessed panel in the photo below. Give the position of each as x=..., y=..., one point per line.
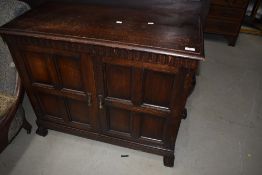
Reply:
x=118, y=81
x=52, y=105
x=157, y=88
x=79, y=111
x=38, y=67
x=119, y=120
x=70, y=72
x=152, y=127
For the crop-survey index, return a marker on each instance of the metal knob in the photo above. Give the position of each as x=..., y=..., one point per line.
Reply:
x=100, y=99
x=89, y=99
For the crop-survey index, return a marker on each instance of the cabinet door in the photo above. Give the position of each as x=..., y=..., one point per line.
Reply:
x=62, y=82
x=135, y=103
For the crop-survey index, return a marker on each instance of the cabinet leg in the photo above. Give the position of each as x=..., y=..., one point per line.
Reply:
x=184, y=114
x=42, y=131
x=232, y=40
x=27, y=126
x=169, y=160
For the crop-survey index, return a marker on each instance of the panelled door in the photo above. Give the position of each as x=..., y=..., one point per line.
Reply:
x=63, y=85
x=134, y=102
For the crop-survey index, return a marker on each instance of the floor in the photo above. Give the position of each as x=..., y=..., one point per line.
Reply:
x=221, y=136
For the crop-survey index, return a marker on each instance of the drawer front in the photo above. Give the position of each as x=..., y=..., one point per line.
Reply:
x=218, y=26
x=231, y=3
x=226, y=13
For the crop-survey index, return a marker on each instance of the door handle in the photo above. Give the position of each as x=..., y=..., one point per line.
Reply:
x=100, y=99
x=89, y=99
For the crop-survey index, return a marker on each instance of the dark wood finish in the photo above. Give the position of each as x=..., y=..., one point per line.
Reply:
x=225, y=18
x=124, y=84
x=41, y=130
x=169, y=160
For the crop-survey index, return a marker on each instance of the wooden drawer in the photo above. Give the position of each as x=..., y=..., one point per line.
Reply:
x=231, y=3
x=226, y=13
x=218, y=26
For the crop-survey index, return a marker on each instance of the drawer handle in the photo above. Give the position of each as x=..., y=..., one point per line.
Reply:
x=100, y=98
x=89, y=99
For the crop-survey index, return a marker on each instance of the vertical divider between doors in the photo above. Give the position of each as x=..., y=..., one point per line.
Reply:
x=87, y=70
x=99, y=69
x=137, y=100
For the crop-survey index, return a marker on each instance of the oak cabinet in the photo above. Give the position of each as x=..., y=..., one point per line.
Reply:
x=127, y=88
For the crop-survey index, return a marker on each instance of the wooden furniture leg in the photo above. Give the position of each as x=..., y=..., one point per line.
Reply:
x=42, y=131
x=232, y=40
x=169, y=161
x=184, y=114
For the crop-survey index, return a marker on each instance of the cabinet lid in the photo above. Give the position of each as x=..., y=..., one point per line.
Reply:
x=152, y=30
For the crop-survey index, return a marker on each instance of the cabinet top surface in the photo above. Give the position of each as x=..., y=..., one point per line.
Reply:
x=153, y=30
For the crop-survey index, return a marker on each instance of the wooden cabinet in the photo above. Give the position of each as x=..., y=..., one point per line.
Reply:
x=113, y=76
x=225, y=18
